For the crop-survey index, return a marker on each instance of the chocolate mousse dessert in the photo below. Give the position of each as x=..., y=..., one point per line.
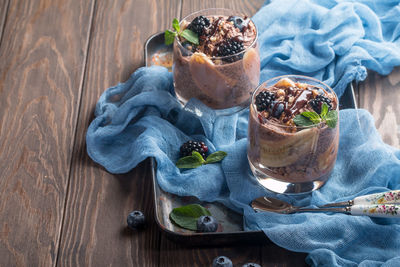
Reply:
x=223, y=67
x=293, y=130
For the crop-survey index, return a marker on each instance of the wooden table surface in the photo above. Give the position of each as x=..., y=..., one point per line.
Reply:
x=59, y=208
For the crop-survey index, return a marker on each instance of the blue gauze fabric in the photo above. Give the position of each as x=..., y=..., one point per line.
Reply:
x=332, y=41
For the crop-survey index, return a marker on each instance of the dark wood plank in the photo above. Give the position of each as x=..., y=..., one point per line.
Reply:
x=94, y=232
x=272, y=255
x=380, y=96
x=3, y=14
x=43, y=55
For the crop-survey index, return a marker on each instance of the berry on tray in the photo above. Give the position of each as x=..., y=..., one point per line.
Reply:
x=187, y=148
x=199, y=24
x=207, y=224
x=136, y=220
x=317, y=102
x=222, y=261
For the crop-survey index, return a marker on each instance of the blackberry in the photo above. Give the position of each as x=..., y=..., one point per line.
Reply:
x=229, y=47
x=317, y=102
x=263, y=100
x=199, y=24
x=187, y=148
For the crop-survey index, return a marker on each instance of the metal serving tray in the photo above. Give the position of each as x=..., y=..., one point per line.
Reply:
x=230, y=228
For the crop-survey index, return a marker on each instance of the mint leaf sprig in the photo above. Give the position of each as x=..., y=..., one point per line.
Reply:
x=309, y=118
x=196, y=160
x=189, y=35
x=186, y=216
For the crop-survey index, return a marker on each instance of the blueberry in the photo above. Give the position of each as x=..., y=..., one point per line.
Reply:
x=136, y=220
x=222, y=261
x=250, y=264
x=207, y=224
x=189, y=46
x=237, y=22
x=278, y=110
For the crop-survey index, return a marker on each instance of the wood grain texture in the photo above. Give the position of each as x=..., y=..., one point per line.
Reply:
x=381, y=96
x=94, y=231
x=272, y=255
x=57, y=207
x=42, y=55
x=3, y=14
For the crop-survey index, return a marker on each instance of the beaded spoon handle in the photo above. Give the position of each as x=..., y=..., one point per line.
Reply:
x=390, y=197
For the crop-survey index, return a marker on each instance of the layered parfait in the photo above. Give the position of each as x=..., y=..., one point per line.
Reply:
x=293, y=130
x=224, y=66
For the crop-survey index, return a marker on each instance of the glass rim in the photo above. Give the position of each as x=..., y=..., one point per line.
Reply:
x=330, y=90
x=216, y=9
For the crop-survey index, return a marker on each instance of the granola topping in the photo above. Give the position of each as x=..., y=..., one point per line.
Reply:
x=220, y=30
x=291, y=99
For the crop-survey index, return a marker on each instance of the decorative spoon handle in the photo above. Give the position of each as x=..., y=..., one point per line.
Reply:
x=390, y=197
x=385, y=211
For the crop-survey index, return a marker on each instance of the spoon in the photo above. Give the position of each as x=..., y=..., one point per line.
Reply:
x=280, y=206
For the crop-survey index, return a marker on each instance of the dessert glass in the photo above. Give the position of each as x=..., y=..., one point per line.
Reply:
x=291, y=159
x=221, y=83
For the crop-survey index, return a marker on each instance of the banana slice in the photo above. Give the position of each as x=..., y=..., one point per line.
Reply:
x=208, y=79
x=277, y=148
x=285, y=83
x=326, y=159
x=290, y=149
